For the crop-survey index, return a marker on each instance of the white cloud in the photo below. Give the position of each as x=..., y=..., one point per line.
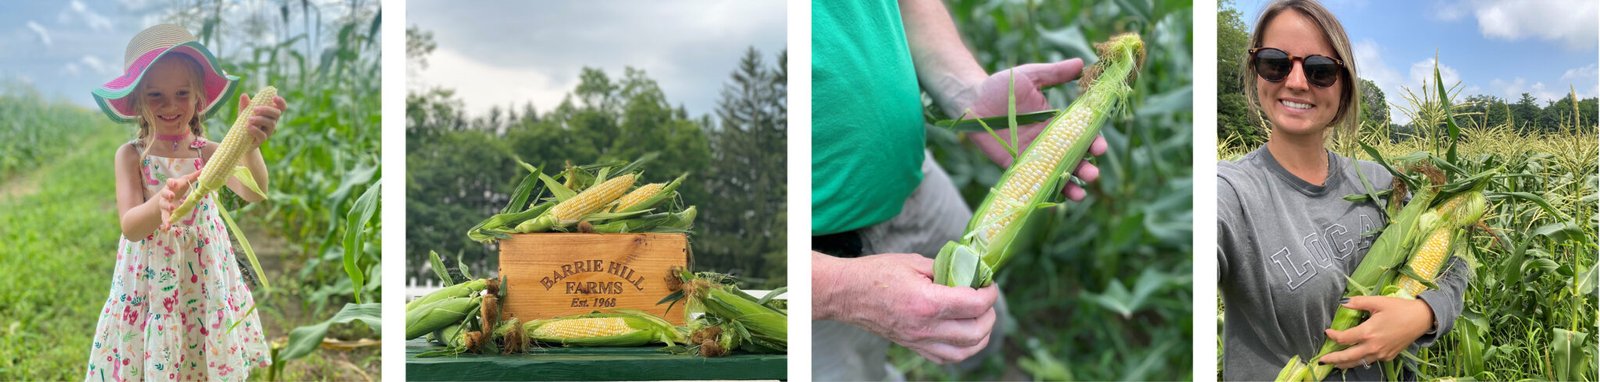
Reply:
x=1571, y=22
x=482, y=86
x=1587, y=75
x=1369, y=61
x=98, y=66
x=78, y=10
x=1422, y=71
x=44, y=35
x=1512, y=90
x=71, y=69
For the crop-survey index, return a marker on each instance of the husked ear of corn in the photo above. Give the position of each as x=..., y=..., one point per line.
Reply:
x=570, y=211
x=439, y=314
x=221, y=166
x=1035, y=177
x=623, y=327
x=648, y=196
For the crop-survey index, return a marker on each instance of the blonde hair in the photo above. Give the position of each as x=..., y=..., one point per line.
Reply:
x=1349, y=114
x=196, y=84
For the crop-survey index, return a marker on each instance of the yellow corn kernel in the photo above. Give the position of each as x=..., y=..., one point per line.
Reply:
x=1034, y=169
x=588, y=327
x=1430, y=256
x=591, y=200
x=220, y=167
x=639, y=195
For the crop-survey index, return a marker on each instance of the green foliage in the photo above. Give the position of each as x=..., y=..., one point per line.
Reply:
x=462, y=168
x=1075, y=316
x=62, y=245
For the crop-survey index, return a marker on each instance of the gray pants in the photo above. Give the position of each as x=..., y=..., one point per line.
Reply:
x=933, y=215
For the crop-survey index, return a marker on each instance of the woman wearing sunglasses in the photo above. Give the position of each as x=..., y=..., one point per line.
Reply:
x=1286, y=238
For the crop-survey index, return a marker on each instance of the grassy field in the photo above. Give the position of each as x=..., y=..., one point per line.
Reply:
x=59, y=215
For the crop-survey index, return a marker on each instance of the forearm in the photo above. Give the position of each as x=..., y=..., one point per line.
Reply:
x=826, y=292
x=1446, y=302
x=946, y=69
x=141, y=220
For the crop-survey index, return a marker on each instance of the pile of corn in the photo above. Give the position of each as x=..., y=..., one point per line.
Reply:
x=465, y=318
x=723, y=318
x=1038, y=174
x=600, y=198
x=1409, y=254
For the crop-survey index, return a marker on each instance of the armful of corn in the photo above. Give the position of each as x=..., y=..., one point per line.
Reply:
x=1035, y=178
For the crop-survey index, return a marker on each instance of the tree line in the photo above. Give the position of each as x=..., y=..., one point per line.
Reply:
x=460, y=167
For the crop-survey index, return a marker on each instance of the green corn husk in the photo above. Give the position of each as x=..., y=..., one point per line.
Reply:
x=713, y=294
x=637, y=328
x=463, y=289
x=1406, y=235
x=438, y=315
x=1033, y=181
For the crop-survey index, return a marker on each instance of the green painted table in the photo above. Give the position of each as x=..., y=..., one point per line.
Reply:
x=568, y=364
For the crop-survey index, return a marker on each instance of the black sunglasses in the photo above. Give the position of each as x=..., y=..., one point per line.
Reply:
x=1273, y=65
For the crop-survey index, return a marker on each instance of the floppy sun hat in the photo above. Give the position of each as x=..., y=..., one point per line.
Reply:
x=150, y=45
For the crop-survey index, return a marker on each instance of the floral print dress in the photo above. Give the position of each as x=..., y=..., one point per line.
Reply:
x=174, y=295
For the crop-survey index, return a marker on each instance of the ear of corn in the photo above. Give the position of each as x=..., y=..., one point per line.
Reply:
x=648, y=196
x=759, y=325
x=576, y=208
x=221, y=166
x=1034, y=179
x=622, y=327
x=464, y=289
x=439, y=314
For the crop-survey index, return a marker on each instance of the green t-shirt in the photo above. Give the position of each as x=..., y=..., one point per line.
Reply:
x=866, y=136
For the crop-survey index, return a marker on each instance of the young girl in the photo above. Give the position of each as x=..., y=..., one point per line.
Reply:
x=1286, y=238
x=176, y=290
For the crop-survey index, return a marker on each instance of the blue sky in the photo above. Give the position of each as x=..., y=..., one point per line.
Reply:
x=67, y=48
x=1499, y=48
x=504, y=52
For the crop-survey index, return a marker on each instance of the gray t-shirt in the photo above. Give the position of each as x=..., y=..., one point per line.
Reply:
x=1284, y=250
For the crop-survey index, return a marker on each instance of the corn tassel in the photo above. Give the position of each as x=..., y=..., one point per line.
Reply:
x=1035, y=177
x=221, y=166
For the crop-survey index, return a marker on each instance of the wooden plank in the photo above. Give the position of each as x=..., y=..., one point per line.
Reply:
x=571, y=364
x=560, y=274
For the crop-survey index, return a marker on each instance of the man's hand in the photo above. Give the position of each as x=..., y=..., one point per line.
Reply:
x=993, y=97
x=893, y=295
x=1394, y=325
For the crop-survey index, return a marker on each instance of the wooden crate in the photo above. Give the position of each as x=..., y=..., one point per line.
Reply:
x=559, y=274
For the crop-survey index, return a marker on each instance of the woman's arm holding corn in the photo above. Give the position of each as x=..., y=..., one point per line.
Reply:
x=1395, y=324
x=263, y=124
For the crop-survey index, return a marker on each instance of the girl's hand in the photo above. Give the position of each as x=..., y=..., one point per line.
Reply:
x=172, y=195
x=265, y=121
x=1395, y=324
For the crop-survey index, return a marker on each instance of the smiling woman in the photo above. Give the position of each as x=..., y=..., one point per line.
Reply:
x=1287, y=237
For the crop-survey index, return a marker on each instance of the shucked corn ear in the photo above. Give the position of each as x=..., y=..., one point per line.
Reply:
x=439, y=314
x=570, y=211
x=222, y=163
x=1034, y=178
x=648, y=196
x=623, y=327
